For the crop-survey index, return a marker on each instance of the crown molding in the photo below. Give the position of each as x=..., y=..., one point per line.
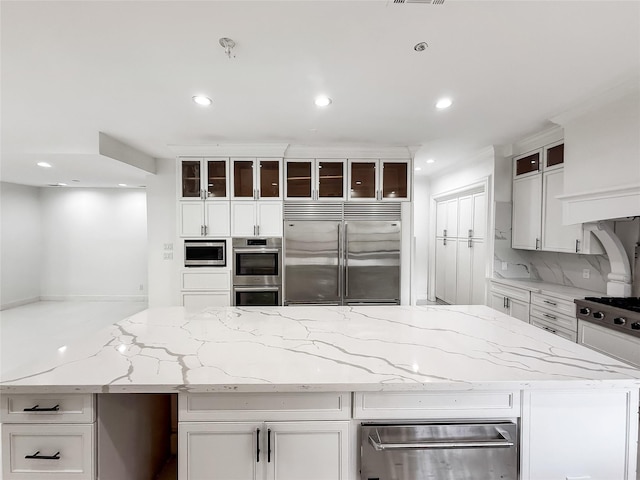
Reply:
x=549, y=135
x=230, y=150
x=340, y=151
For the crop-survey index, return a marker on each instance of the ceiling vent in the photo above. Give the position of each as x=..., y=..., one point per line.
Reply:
x=425, y=2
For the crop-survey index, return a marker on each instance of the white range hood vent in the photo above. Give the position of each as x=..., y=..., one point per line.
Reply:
x=619, y=280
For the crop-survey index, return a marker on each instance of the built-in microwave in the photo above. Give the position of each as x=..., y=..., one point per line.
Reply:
x=205, y=253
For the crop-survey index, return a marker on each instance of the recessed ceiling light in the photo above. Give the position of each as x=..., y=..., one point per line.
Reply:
x=122, y=184
x=61, y=184
x=431, y=160
x=444, y=103
x=202, y=100
x=322, y=101
x=44, y=164
x=418, y=169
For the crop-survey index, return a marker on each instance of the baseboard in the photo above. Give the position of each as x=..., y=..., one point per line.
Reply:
x=94, y=298
x=19, y=303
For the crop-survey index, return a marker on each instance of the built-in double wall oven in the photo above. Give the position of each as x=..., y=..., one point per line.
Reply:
x=257, y=272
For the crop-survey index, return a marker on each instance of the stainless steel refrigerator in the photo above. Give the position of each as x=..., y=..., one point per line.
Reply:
x=341, y=262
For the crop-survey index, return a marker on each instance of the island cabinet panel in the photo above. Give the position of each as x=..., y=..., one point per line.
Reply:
x=263, y=406
x=43, y=452
x=48, y=408
x=579, y=434
x=410, y=405
x=266, y=450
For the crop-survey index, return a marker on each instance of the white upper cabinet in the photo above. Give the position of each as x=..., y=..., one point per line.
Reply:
x=204, y=178
x=537, y=212
x=447, y=218
x=256, y=219
x=256, y=179
x=315, y=179
x=378, y=180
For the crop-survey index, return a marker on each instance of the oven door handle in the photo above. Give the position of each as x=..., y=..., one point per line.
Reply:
x=257, y=289
x=256, y=250
x=506, y=442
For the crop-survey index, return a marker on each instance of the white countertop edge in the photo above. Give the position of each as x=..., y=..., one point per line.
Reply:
x=323, y=388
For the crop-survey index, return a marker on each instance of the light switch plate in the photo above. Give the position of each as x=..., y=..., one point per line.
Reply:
x=586, y=273
x=505, y=265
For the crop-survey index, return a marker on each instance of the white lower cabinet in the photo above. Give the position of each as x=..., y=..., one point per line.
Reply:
x=510, y=300
x=264, y=436
x=446, y=257
x=48, y=436
x=579, y=435
x=205, y=287
x=272, y=450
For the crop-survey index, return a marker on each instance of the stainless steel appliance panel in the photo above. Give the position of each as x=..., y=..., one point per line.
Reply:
x=312, y=262
x=372, y=261
x=257, y=296
x=452, y=451
x=205, y=253
x=257, y=261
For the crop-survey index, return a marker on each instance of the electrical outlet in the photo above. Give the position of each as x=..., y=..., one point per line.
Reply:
x=168, y=246
x=586, y=273
x=505, y=265
x=141, y=287
x=168, y=256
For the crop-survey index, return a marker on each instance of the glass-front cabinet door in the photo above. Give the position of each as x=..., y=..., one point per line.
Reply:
x=255, y=179
x=204, y=178
x=362, y=180
x=315, y=179
x=395, y=180
x=299, y=179
x=527, y=164
x=330, y=183
x=554, y=155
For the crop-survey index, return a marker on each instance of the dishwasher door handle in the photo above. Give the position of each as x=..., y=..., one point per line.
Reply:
x=506, y=442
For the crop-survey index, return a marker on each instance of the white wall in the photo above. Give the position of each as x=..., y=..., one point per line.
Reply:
x=421, y=194
x=20, y=244
x=95, y=244
x=163, y=245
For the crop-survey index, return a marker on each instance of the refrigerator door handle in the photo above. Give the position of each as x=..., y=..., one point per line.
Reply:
x=346, y=260
x=339, y=270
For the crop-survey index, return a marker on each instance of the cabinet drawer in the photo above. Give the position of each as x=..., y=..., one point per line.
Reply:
x=554, y=318
x=558, y=305
x=511, y=292
x=385, y=405
x=199, y=300
x=71, y=447
x=199, y=280
x=48, y=408
x=555, y=329
x=264, y=406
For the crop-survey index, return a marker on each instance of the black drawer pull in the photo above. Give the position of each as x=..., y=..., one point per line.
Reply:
x=36, y=408
x=37, y=456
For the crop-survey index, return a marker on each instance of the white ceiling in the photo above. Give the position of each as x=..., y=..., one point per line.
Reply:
x=129, y=69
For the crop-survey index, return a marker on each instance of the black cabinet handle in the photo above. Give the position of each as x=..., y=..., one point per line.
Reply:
x=269, y=445
x=37, y=456
x=36, y=408
x=258, y=445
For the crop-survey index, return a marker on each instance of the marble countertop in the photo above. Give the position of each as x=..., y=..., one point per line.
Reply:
x=553, y=289
x=364, y=348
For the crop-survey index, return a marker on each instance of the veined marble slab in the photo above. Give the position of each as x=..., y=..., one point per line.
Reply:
x=555, y=290
x=364, y=348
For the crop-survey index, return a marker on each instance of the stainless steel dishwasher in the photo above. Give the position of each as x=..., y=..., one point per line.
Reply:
x=438, y=450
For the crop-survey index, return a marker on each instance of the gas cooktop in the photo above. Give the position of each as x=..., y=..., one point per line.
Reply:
x=618, y=313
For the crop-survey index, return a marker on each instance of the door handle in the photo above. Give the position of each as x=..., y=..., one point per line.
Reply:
x=444, y=241
x=258, y=229
x=444, y=232
x=206, y=230
x=339, y=261
x=37, y=408
x=346, y=261
x=550, y=303
x=269, y=445
x=201, y=230
x=577, y=246
x=537, y=243
x=552, y=317
x=505, y=442
x=257, y=445
x=37, y=456
x=254, y=230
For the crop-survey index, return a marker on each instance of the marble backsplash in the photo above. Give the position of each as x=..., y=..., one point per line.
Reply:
x=561, y=268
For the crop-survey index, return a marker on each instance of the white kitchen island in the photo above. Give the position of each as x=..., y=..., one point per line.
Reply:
x=310, y=375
